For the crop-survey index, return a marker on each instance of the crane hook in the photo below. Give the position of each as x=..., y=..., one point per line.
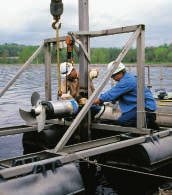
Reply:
x=56, y=9
x=54, y=24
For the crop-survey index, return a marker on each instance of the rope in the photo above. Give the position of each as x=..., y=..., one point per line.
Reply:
x=58, y=59
x=123, y=169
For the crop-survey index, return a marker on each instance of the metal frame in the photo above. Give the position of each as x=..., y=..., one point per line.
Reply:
x=138, y=34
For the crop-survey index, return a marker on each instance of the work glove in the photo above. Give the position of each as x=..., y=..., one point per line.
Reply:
x=82, y=101
x=66, y=96
x=94, y=73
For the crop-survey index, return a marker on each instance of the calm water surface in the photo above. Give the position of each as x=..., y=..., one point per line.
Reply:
x=104, y=181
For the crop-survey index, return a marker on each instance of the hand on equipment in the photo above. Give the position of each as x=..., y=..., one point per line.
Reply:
x=94, y=73
x=82, y=101
x=97, y=101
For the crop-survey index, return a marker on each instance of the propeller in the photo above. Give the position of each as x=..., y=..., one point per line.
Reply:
x=42, y=110
x=41, y=119
x=34, y=98
x=37, y=114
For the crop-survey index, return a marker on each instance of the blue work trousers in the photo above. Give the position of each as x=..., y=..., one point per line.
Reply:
x=129, y=119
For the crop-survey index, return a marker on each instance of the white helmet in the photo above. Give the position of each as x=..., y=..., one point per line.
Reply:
x=65, y=68
x=120, y=67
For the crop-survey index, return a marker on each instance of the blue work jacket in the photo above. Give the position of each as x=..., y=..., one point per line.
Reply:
x=125, y=91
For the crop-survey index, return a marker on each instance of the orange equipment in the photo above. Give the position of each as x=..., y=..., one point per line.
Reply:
x=70, y=43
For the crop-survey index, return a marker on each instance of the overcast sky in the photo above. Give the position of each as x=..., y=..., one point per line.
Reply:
x=29, y=22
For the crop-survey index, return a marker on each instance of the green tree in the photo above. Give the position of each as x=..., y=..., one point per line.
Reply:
x=14, y=53
x=25, y=54
x=169, y=57
x=160, y=54
x=149, y=54
x=131, y=56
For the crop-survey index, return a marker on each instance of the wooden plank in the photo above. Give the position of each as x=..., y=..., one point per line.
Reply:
x=126, y=29
x=53, y=40
x=91, y=34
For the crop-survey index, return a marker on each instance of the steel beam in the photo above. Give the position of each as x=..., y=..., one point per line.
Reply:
x=48, y=91
x=121, y=129
x=141, y=117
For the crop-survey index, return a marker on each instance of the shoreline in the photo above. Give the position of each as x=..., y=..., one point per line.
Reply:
x=127, y=64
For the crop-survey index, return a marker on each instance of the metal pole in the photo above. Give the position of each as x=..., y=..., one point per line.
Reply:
x=83, y=26
x=48, y=93
x=83, y=63
x=21, y=70
x=149, y=84
x=140, y=80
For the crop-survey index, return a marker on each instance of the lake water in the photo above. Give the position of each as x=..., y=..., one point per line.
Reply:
x=106, y=181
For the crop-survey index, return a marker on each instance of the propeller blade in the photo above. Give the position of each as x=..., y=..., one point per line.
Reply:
x=27, y=116
x=34, y=98
x=41, y=120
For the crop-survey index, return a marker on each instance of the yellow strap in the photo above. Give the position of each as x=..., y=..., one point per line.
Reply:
x=165, y=105
x=58, y=59
x=165, y=100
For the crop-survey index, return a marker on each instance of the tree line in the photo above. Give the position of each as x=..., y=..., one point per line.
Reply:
x=18, y=54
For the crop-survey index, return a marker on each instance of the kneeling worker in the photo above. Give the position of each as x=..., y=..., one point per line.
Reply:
x=125, y=91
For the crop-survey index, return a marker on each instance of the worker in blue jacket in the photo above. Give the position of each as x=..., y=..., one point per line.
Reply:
x=125, y=91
